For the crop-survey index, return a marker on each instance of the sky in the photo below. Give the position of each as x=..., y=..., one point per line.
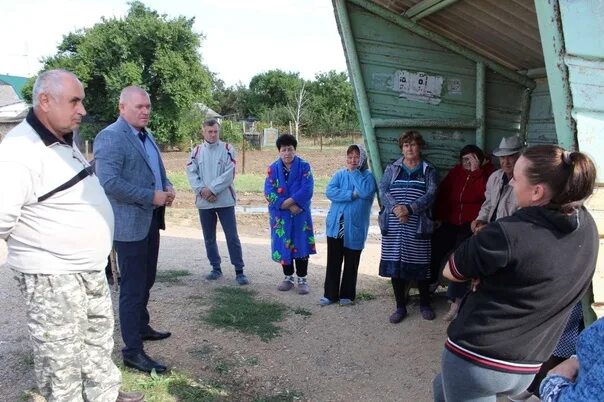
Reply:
x=242, y=37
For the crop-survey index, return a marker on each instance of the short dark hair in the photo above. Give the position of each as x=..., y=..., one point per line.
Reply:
x=210, y=123
x=570, y=176
x=285, y=140
x=472, y=149
x=410, y=136
x=353, y=148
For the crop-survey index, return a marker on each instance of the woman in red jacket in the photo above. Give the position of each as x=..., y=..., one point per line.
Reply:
x=460, y=196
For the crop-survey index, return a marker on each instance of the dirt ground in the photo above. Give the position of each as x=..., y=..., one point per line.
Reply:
x=334, y=354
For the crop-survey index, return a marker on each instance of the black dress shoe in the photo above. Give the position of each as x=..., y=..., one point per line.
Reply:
x=142, y=362
x=154, y=335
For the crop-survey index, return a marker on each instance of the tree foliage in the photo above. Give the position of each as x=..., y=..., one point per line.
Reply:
x=332, y=106
x=273, y=89
x=145, y=49
x=325, y=104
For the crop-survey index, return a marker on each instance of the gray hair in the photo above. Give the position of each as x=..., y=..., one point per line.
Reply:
x=126, y=92
x=50, y=83
x=211, y=122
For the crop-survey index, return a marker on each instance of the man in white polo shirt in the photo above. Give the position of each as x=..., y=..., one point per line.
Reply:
x=58, y=225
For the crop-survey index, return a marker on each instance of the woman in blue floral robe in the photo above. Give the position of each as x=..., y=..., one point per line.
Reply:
x=288, y=188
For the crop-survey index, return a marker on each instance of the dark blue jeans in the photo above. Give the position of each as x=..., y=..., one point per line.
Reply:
x=226, y=215
x=138, y=267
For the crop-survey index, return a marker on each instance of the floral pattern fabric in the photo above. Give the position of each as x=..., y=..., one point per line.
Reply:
x=292, y=236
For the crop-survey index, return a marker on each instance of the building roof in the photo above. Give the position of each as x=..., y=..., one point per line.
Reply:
x=16, y=82
x=503, y=31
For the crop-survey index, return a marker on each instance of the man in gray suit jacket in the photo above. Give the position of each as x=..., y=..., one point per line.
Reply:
x=130, y=169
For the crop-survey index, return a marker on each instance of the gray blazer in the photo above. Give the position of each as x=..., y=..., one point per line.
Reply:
x=124, y=171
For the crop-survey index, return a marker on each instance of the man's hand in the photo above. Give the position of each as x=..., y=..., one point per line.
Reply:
x=160, y=198
x=171, y=196
x=205, y=193
x=569, y=368
x=476, y=225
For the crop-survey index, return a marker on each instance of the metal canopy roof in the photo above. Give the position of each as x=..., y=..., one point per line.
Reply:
x=504, y=31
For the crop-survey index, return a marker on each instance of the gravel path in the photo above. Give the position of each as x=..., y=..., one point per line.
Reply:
x=335, y=354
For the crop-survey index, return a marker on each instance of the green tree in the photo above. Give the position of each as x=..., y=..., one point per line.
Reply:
x=332, y=106
x=145, y=49
x=230, y=101
x=272, y=90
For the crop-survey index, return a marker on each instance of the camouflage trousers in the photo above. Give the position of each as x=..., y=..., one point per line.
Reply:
x=70, y=322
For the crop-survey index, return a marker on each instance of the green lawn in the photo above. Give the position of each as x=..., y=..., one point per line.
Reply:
x=246, y=183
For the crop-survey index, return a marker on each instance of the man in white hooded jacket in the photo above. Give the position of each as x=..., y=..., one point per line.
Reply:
x=211, y=172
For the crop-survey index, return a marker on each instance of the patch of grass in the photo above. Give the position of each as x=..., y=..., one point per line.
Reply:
x=302, y=311
x=172, y=387
x=245, y=183
x=239, y=309
x=222, y=367
x=283, y=396
x=252, y=361
x=365, y=296
x=27, y=359
x=203, y=352
x=171, y=275
x=179, y=180
x=29, y=395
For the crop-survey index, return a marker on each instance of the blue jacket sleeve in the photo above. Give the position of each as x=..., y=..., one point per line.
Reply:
x=364, y=184
x=304, y=194
x=425, y=202
x=109, y=159
x=271, y=189
x=388, y=201
x=335, y=189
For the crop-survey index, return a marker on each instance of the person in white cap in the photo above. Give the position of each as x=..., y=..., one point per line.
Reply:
x=499, y=198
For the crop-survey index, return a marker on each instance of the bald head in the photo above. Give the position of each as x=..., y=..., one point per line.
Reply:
x=135, y=106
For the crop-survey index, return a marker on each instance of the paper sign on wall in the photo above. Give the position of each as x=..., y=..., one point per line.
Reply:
x=418, y=86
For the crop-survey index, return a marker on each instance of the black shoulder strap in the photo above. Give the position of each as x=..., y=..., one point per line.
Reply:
x=87, y=171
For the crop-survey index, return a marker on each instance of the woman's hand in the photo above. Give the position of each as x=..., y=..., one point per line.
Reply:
x=569, y=368
x=470, y=162
x=400, y=211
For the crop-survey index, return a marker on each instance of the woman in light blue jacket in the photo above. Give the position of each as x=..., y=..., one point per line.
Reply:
x=351, y=192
